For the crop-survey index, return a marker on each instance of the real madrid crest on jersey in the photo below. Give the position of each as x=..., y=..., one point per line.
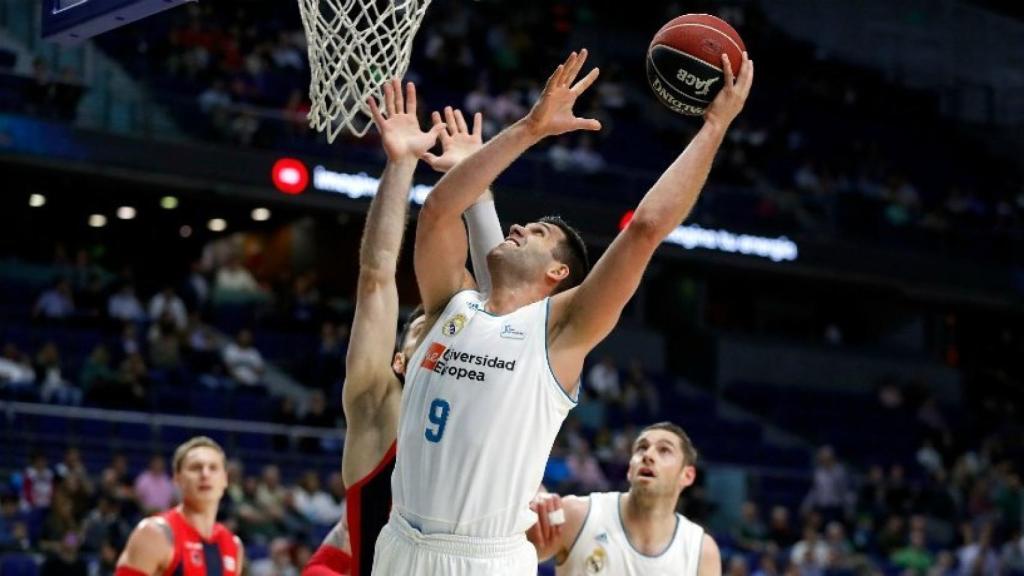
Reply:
x=597, y=561
x=453, y=325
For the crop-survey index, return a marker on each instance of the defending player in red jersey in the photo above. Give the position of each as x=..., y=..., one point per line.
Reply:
x=374, y=368
x=187, y=540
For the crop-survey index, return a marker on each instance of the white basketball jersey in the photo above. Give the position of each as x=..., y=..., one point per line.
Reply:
x=480, y=412
x=602, y=547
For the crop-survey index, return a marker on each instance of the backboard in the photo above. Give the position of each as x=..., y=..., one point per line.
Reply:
x=72, y=21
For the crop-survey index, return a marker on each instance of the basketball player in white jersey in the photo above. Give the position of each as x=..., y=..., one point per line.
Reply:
x=372, y=391
x=637, y=533
x=488, y=389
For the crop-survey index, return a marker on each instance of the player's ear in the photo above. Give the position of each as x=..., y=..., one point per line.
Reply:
x=398, y=363
x=687, y=477
x=557, y=272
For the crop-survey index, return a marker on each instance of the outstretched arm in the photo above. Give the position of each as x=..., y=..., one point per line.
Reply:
x=482, y=224
x=440, y=237
x=582, y=317
x=368, y=362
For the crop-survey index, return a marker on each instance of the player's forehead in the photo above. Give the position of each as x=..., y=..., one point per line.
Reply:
x=553, y=231
x=202, y=455
x=658, y=436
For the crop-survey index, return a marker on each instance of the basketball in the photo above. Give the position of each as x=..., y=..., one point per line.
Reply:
x=684, y=61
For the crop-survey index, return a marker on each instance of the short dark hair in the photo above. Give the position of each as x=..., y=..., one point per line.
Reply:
x=404, y=333
x=690, y=454
x=572, y=252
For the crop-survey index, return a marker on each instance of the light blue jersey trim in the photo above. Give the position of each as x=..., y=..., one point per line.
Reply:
x=547, y=358
x=583, y=526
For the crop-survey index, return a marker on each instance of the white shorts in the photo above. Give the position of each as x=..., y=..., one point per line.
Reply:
x=401, y=550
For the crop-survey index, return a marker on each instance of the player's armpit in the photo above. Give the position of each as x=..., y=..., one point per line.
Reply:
x=582, y=317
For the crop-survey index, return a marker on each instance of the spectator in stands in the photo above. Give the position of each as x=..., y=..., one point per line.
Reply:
x=202, y=346
x=780, y=531
x=235, y=278
x=243, y=361
x=105, y=526
x=749, y=532
x=1012, y=557
x=977, y=555
x=584, y=158
x=305, y=298
x=271, y=496
x=279, y=563
x=60, y=522
x=164, y=342
x=312, y=503
x=871, y=498
x=72, y=469
x=603, y=379
x=92, y=298
x=316, y=416
x=559, y=155
x=124, y=306
x=114, y=481
x=215, y=98
x=586, y=472
x=97, y=376
x=197, y=287
x=811, y=554
x=129, y=343
x=55, y=303
x=132, y=385
x=830, y=492
x=167, y=301
x=892, y=536
x=330, y=355
x=898, y=494
x=65, y=561
x=13, y=529
x=737, y=566
x=16, y=372
x=53, y=386
x=154, y=489
x=915, y=556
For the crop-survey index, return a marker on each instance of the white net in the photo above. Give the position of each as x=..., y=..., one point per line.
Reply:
x=354, y=47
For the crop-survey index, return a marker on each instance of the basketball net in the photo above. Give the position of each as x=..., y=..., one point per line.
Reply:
x=354, y=47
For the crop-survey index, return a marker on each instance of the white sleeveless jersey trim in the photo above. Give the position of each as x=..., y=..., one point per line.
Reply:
x=602, y=546
x=480, y=411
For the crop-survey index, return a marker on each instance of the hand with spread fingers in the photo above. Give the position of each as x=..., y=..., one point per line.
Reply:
x=730, y=100
x=399, y=128
x=457, y=142
x=552, y=114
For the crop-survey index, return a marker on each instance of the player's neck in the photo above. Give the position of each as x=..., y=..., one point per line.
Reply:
x=510, y=296
x=202, y=518
x=649, y=522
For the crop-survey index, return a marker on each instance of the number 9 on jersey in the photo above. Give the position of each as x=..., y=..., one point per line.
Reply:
x=438, y=416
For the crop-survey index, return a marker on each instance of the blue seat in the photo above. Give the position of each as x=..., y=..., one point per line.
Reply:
x=94, y=428
x=18, y=565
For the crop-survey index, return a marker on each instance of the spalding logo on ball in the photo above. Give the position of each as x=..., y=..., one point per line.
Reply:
x=684, y=61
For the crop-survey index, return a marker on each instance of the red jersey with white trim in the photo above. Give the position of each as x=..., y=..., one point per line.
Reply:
x=194, y=555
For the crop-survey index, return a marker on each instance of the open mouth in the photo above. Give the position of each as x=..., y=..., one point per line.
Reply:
x=513, y=240
x=645, y=473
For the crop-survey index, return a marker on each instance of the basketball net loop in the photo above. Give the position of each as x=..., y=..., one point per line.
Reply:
x=354, y=47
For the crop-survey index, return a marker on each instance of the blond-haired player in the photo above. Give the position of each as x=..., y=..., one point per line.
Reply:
x=187, y=540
